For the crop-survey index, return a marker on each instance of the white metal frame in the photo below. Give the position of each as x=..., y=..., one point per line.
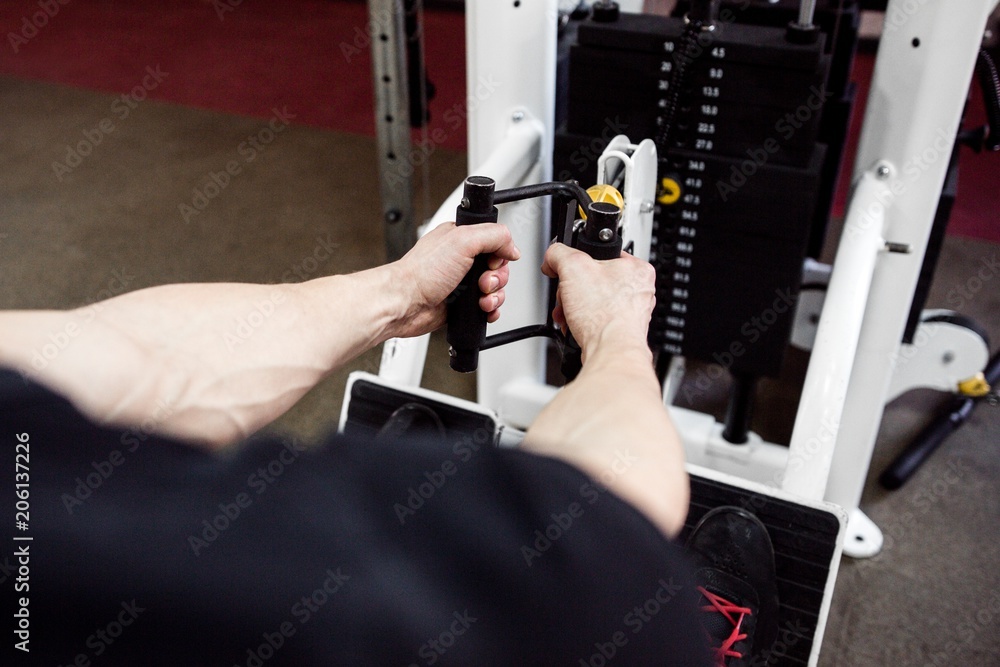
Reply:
x=922, y=74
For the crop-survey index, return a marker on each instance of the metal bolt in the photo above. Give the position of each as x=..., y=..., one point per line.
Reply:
x=883, y=171
x=517, y=117
x=465, y=203
x=606, y=235
x=646, y=207
x=947, y=358
x=451, y=352
x=393, y=215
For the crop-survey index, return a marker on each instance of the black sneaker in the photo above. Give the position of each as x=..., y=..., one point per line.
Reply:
x=734, y=563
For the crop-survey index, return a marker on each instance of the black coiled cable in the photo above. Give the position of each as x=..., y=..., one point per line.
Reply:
x=684, y=56
x=990, y=82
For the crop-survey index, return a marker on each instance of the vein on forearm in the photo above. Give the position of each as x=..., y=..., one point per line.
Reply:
x=178, y=351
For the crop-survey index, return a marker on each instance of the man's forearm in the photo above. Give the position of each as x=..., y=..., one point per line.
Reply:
x=611, y=423
x=213, y=362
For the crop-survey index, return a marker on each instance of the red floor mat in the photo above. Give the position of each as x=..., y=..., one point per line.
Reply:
x=311, y=56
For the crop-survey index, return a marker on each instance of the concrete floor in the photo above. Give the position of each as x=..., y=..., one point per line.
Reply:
x=113, y=222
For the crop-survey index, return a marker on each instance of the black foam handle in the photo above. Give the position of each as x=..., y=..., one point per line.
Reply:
x=600, y=240
x=466, y=321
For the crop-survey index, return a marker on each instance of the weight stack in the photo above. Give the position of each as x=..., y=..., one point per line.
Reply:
x=739, y=174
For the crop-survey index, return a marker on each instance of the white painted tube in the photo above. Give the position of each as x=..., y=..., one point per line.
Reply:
x=825, y=390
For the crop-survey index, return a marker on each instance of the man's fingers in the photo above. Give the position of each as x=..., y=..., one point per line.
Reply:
x=559, y=317
x=556, y=257
x=492, y=239
x=491, y=281
x=491, y=302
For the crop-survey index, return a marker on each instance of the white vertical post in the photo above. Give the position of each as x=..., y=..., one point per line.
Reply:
x=824, y=393
x=511, y=51
x=922, y=74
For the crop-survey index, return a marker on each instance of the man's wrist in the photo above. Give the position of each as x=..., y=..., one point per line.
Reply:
x=376, y=297
x=400, y=297
x=619, y=343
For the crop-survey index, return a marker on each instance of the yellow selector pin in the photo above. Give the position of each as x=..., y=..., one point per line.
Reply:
x=974, y=387
x=604, y=193
x=670, y=191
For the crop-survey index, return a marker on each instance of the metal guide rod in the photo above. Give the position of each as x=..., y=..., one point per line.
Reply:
x=392, y=124
x=807, y=9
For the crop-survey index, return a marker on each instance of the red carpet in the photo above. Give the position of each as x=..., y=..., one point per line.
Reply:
x=311, y=56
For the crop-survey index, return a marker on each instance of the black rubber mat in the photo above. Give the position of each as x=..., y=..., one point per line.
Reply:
x=372, y=405
x=804, y=540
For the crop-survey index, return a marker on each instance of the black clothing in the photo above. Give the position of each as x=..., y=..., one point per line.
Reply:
x=146, y=551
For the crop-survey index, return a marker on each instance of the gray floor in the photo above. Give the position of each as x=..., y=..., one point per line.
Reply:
x=932, y=595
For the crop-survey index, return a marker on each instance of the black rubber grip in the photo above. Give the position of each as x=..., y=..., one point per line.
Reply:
x=600, y=249
x=602, y=219
x=933, y=435
x=466, y=321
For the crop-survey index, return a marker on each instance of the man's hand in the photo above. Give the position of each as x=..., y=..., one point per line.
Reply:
x=601, y=300
x=614, y=406
x=432, y=269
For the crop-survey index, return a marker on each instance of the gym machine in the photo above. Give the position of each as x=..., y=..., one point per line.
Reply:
x=689, y=91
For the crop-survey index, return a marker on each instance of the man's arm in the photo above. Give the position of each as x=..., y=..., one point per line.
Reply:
x=613, y=411
x=213, y=363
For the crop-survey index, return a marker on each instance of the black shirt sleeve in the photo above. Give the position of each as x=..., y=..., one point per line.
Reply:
x=147, y=551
